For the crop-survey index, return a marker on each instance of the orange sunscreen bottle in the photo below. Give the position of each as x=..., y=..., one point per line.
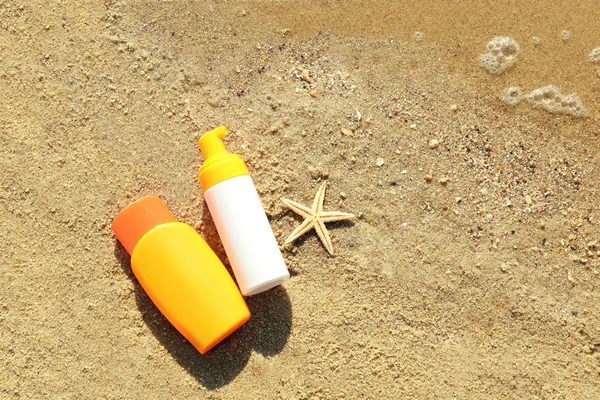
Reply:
x=180, y=273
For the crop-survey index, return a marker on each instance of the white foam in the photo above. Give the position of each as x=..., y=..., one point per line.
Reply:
x=552, y=100
x=512, y=96
x=595, y=55
x=501, y=53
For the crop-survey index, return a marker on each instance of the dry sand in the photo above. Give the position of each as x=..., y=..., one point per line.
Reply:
x=484, y=287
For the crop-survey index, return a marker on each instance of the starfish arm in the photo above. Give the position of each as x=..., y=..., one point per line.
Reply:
x=324, y=236
x=317, y=206
x=330, y=216
x=298, y=208
x=304, y=227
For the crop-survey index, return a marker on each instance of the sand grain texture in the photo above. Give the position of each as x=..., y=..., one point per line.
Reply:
x=471, y=272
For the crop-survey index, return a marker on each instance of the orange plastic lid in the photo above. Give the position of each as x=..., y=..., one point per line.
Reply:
x=139, y=218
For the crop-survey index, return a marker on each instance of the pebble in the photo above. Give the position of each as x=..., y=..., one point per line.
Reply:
x=343, y=195
x=542, y=225
x=306, y=76
x=313, y=93
x=380, y=161
x=433, y=143
x=428, y=178
x=346, y=132
x=454, y=107
x=444, y=180
x=571, y=279
x=528, y=199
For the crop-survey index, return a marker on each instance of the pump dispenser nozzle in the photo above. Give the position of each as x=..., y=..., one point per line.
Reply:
x=219, y=165
x=210, y=143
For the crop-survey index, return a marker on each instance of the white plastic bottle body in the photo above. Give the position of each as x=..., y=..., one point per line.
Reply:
x=246, y=235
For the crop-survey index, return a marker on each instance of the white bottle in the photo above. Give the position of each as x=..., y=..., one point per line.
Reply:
x=239, y=217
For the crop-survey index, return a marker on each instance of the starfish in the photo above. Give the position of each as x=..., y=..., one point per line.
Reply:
x=315, y=218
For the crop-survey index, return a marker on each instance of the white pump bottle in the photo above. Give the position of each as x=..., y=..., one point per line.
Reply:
x=239, y=217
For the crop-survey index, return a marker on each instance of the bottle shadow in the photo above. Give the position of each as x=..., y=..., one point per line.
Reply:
x=266, y=332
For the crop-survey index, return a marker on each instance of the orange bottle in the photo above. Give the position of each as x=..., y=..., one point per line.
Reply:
x=180, y=273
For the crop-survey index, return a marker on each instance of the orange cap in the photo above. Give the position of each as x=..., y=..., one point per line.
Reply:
x=139, y=218
x=219, y=165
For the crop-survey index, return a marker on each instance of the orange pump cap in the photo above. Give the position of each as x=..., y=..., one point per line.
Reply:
x=219, y=165
x=210, y=143
x=138, y=218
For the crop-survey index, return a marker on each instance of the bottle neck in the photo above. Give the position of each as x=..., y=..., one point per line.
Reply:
x=219, y=168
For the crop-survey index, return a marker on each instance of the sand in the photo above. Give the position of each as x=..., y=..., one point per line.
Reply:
x=481, y=283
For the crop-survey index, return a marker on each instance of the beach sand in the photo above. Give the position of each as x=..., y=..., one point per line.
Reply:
x=481, y=283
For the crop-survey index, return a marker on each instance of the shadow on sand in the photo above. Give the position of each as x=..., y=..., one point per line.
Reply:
x=266, y=332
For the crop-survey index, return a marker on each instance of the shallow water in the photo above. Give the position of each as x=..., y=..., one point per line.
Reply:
x=462, y=28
